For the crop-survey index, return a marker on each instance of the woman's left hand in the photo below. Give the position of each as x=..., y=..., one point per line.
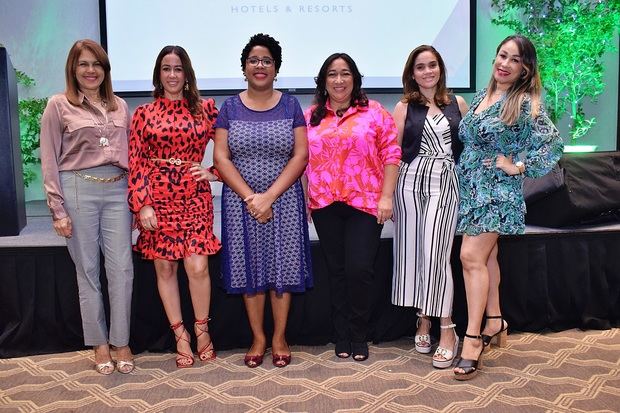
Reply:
x=259, y=204
x=201, y=173
x=505, y=164
x=384, y=209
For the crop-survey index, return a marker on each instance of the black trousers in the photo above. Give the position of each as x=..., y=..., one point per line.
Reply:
x=349, y=240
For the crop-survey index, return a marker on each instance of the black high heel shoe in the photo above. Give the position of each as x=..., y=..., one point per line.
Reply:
x=343, y=349
x=500, y=337
x=470, y=367
x=359, y=351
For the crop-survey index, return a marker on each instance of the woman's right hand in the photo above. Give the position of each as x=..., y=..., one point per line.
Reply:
x=63, y=227
x=148, y=220
x=263, y=219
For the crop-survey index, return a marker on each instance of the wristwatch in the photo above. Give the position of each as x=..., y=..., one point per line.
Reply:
x=520, y=166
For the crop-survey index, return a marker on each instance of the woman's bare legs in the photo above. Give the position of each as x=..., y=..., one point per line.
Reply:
x=493, y=325
x=446, y=337
x=197, y=269
x=168, y=287
x=475, y=252
x=280, y=305
x=255, y=307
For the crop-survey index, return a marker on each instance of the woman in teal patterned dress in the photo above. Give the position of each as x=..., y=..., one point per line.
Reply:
x=507, y=136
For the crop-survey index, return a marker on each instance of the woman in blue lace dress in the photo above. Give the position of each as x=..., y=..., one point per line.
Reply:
x=507, y=135
x=261, y=150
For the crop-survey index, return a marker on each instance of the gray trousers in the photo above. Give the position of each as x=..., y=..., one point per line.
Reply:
x=101, y=221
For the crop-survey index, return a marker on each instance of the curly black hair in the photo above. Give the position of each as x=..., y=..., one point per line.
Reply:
x=358, y=96
x=267, y=41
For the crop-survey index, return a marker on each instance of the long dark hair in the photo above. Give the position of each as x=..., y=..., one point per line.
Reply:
x=191, y=94
x=411, y=89
x=72, y=86
x=358, y=96
x=528, y=83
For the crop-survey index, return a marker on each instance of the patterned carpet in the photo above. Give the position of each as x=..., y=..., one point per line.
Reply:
x=571, y=371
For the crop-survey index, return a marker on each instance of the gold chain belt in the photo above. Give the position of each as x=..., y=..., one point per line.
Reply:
x=101, y=180
x=173, y=161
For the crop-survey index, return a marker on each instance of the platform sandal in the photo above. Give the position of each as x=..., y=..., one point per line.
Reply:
x=470, y=367
x=422, y=342
x=207, y=352
x=498, y=338
x=183, y=360
x=444, y=357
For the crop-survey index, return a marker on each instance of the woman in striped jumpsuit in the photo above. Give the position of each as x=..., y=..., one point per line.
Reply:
x=426, y=199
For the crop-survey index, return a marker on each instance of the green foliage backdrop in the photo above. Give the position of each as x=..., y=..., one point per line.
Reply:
x=30, y=111
x=571, y=37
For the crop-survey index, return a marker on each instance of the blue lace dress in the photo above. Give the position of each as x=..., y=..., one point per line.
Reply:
x=276, y=255
x=490, y=199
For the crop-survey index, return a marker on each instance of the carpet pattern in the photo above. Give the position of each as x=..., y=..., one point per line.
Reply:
x=571, y=371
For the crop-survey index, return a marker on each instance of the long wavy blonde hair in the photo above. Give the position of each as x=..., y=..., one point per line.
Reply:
x=527, y=84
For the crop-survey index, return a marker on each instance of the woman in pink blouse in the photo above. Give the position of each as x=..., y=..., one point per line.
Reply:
x=84, y=164
x=351, y=175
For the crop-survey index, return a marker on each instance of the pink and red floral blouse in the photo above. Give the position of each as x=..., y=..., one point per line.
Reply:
x=348, y=155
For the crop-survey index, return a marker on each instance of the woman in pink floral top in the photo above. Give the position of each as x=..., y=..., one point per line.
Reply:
x=351, y=175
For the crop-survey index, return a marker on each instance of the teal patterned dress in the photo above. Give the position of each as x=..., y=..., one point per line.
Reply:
x=490, y=199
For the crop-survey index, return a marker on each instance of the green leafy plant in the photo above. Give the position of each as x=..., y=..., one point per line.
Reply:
x=571, y=37
x=30, y=112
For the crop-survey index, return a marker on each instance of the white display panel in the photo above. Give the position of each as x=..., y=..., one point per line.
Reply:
x=379, y=35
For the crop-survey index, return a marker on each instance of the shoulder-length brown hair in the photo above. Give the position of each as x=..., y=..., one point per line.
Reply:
x=191, y=94
x=528, y=82
x=72, y=86
x=411, y=89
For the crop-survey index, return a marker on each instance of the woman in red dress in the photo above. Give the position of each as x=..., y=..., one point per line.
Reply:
x=170, y=194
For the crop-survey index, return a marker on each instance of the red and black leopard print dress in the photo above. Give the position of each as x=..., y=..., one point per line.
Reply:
x=165, y=129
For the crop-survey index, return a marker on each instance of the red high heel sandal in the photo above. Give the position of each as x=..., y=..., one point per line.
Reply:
x=207, y=352
x=183, y=359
